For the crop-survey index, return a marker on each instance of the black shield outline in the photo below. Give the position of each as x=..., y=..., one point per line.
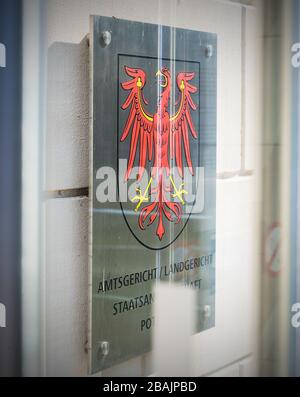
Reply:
x=118, y=144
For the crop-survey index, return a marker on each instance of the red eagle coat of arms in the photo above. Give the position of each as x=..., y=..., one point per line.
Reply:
x=161, y=138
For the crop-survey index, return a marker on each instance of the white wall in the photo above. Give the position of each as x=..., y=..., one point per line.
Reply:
x=230, y=346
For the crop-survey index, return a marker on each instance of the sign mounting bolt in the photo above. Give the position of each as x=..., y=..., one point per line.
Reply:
x=104, y=348
x=207, y=311
x=105, y=38
x=209, y=50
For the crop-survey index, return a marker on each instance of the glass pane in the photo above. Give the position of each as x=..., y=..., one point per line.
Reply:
x=154, y=178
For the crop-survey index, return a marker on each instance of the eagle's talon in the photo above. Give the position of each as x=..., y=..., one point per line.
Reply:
x=178, y=192
x=141, y=198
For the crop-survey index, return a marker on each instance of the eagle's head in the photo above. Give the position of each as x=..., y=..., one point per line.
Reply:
x=164, y=78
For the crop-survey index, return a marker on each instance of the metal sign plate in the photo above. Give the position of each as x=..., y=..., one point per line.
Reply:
x=153, y=178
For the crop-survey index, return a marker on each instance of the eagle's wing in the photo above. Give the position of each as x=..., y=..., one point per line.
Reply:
x=139, y=122
x=182, y=122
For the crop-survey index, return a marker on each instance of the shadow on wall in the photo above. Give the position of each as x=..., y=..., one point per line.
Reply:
x=67, y=137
